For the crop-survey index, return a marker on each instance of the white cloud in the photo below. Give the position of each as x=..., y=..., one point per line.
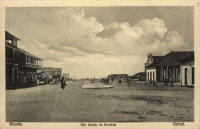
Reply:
x=147, y=36
x=75, y=43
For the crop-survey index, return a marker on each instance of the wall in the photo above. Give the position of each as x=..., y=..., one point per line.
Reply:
x=189, y=66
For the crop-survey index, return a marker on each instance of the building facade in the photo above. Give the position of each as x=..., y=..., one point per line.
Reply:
x=187, y=71
x=176, y=66
x=151, y=68
x=21, y=66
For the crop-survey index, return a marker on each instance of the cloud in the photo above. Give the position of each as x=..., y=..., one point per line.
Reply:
x=149, y=35
x=71, y=31
x=85, y=47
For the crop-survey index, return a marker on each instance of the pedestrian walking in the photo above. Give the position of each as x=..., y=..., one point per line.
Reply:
x=63, y=81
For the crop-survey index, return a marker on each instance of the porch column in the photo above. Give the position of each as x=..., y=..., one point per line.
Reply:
x=147, y=76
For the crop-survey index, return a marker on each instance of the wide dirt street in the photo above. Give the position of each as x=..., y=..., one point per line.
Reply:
x=137, y=103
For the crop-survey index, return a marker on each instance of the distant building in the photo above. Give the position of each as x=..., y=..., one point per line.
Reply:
x=21, y=66
x=118, y=77
x=52, y=73
x=141, y=76
x=176, y=65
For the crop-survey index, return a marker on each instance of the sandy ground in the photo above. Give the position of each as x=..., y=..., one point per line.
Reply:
x=136, y=103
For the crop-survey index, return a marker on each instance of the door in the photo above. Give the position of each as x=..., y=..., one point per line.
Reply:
x=192, y=75
x=186, y=78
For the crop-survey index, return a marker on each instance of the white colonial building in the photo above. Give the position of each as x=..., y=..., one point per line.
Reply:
x=176, y=65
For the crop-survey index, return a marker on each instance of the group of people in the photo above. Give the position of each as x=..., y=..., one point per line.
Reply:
x=105, y=81
x=166, y=82
x=110, y=81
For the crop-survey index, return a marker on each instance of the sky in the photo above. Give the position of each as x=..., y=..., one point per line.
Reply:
x=97, y=41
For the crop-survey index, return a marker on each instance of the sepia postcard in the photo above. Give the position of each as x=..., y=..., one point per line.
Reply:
x=100, y=64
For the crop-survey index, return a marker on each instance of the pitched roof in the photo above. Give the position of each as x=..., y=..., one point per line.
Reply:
x=25, y=52
x=156, y=60
x=176, y=58
x=10, y=36
x=188, y=58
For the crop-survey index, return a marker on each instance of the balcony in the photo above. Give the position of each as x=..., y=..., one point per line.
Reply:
x=34, y=66
x=21, y=57
x=34, y=63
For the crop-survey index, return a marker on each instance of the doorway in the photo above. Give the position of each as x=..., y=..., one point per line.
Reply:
x=186, y=78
